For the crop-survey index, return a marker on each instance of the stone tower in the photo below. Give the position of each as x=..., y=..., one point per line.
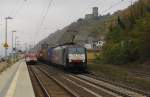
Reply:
x=95, y=11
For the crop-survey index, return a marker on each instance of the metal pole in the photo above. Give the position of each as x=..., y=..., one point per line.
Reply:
x=16, y=47
x=6, y=45
x=5, y=37
x=12, y=41
x=13, y=45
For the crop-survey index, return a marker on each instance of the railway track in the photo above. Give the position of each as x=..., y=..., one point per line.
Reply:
x=49, y=87
x=93, y=75
x=122, y=91
x=80, y=88
x=89, y=87
x=143, y=75
x=38, y=87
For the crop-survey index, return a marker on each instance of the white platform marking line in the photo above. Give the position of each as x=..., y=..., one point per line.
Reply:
x=86, y=89
x=12, y=87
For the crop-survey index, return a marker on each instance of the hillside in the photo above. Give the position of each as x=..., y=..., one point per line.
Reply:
x=127, y=41
x=127, y=48
x=118, y=29
x=80, y=32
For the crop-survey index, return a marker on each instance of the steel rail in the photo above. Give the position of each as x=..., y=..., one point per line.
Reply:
x=103, y=90
x=40, y=83
x=74, y=94
x=127, y=94
x=123, y=86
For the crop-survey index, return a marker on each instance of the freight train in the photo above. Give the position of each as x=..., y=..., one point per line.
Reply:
x=67, y=56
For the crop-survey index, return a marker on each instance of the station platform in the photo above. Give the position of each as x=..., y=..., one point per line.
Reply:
x=15, y=81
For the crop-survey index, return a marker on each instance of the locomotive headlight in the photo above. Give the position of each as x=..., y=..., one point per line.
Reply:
x=83, y=60
x=70, y=60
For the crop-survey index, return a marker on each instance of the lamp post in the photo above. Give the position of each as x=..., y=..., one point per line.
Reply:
x=13, y=49
x=16, y=38
x=13, y=40
x=6, y=44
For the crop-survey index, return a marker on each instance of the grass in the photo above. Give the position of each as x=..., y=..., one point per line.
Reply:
x=108, y=70
x=5, y=65
x=121, y=75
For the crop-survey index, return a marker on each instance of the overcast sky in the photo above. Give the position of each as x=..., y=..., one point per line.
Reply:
x=28, y=16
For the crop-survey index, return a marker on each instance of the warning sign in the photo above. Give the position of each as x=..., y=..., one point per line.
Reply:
x=6, y=45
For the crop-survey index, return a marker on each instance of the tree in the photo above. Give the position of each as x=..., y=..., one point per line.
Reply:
x=120, y=23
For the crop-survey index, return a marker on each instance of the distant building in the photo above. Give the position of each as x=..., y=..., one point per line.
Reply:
x=95, y=44
x=88, y=16
x=88, y=46
x=93, y=15
x=98, y=44
x=95, y=11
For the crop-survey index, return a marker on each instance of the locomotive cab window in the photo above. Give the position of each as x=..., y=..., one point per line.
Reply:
x=76, y=50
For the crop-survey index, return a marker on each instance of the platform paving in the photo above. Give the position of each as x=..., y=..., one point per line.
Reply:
x=16, y=81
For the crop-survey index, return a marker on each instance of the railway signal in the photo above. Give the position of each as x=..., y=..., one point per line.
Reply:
x=6, y=45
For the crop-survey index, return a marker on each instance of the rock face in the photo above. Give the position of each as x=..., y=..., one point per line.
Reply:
x=82, y=31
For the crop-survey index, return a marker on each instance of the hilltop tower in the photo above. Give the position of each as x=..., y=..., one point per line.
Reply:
x=95, y=11
x=94, y=14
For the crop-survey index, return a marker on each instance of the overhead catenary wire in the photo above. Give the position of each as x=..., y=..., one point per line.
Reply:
x=43, y=18
x=38, y=29
x=112, y=6
x=129, y=1
x=118, y=3
x=14, y=8
x=17, y=8
x=37, y=26
x=12, y=11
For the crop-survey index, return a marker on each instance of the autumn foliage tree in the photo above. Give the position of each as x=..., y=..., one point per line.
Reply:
x=129, y=40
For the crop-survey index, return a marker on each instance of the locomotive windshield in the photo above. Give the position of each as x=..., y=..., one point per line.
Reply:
x=76, y=50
